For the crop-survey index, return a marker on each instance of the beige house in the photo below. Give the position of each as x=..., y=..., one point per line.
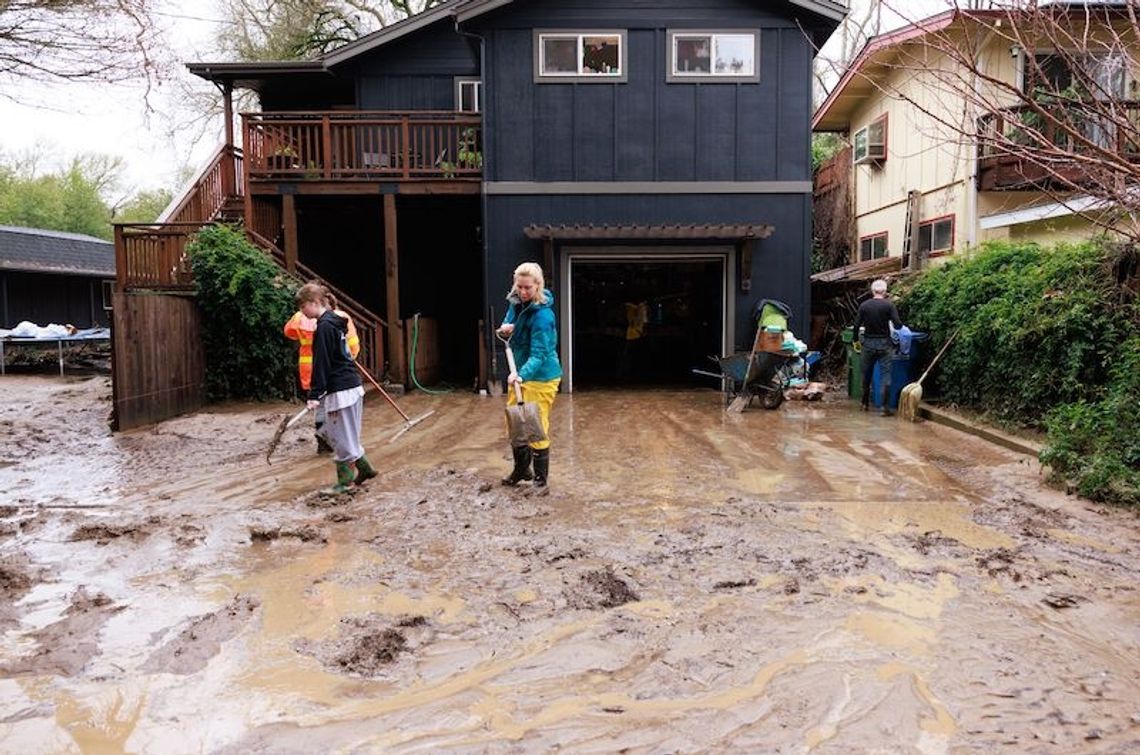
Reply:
x=939, y=131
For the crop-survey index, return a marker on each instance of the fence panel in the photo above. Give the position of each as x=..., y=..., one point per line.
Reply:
x=157, y=362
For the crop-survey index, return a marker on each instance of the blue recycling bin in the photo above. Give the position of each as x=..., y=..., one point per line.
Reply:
x=904, y=370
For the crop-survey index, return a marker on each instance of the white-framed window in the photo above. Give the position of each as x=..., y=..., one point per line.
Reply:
x=729, y=55
x=870, y=142
x=873, y=247
x=561, y=56
x=936, y=235
x=469, y=95
x=108, y=294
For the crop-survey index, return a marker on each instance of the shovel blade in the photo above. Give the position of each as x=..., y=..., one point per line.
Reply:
x=524, y=424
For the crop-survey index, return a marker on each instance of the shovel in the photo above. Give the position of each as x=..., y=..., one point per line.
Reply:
x=286, y=423
x=911, y=395
x=524, y=423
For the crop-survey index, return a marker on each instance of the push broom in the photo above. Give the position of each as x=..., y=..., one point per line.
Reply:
x=911, y=395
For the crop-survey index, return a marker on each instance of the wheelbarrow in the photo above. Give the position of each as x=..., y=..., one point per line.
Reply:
x=756, y=375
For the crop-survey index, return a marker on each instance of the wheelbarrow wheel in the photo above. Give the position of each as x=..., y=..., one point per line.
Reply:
x=773, y=396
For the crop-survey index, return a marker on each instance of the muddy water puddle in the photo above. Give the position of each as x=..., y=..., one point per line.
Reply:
x=811, y=579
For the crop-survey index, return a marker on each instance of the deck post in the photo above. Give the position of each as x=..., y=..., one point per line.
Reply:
x=392, y=268
x=289, y=221
x=229, y=175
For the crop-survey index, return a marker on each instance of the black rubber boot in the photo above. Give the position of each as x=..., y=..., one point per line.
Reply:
x=364, y=471
x=521, y=471
x=541, y=470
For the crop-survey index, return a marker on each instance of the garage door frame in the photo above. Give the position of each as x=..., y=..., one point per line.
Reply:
x=725, y=254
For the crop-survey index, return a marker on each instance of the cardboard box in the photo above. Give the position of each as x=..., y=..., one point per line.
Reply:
x=771, y=341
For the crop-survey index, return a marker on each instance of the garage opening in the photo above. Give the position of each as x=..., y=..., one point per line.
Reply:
x=645, y=321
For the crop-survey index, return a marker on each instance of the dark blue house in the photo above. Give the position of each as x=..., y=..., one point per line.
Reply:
x=654, y=157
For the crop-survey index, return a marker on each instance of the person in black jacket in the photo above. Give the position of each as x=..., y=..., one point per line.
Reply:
x=876, y=315
x=336, y=384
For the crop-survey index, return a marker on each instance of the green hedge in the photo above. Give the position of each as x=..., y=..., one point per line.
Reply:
x=1047, y=341
x=245, y=301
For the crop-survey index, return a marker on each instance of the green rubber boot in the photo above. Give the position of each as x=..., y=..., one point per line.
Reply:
x=343, y=478
x=364, y=471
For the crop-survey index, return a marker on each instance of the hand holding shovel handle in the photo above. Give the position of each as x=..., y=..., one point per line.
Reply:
x=514, y=371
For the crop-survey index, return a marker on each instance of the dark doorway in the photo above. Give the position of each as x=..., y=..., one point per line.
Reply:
x=645, y=322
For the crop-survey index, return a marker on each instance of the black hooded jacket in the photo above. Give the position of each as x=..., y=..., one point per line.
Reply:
x=333, y=367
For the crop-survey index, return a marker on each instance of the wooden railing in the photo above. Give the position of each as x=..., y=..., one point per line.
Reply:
x=1010, y=137
x=369, y=326
x=363, y=145
x=153, y=256
x=222, y=179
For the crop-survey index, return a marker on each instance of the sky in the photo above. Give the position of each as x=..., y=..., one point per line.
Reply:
x=68, y=119
x=112, y=119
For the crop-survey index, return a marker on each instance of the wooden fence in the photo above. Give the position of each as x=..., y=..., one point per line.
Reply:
x=158, y=366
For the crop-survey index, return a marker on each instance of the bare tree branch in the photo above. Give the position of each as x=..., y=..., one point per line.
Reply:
x=1065, y=124
x=77, y=40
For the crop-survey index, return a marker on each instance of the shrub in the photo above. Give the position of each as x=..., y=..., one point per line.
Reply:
x=1096, y=445
x=245, y=300
x=1046, y=341
x=1037, y=327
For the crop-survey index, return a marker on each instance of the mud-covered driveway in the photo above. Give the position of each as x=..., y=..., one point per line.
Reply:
x=812, y=579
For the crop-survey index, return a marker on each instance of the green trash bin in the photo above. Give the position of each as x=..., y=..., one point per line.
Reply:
x=854, y=365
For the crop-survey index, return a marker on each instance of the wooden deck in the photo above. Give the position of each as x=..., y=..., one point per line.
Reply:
x=1018, y=149
x=362, y=146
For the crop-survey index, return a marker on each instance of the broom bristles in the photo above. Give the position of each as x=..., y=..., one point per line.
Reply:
x=909, y=399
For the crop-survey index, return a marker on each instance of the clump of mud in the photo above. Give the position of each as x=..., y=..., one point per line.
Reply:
x=601, y=589
x=104, y=533
x=14, y=581
x=364, y=645
x=202, y=638
x=65, y=647
x=306, y=534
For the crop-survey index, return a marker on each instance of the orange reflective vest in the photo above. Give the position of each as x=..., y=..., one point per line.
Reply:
x=301, y=329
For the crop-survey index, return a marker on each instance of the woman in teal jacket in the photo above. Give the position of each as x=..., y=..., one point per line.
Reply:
x=533, y=334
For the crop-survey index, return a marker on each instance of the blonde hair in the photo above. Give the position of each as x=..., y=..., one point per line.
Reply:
x=534, y=271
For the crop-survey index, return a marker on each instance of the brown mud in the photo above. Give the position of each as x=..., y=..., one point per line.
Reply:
x=806, y=580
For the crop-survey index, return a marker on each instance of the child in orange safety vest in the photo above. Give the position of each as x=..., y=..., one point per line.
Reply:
x=301, y=329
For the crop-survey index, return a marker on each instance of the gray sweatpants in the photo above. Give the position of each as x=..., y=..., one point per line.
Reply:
x=342, y=430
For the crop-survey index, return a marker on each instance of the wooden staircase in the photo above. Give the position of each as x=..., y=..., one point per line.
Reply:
x=153, y=255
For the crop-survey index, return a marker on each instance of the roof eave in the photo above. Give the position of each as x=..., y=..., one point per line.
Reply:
x=223, y=72
x=391, y=33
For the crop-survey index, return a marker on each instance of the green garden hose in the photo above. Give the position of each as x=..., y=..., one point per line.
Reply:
x=412, y=370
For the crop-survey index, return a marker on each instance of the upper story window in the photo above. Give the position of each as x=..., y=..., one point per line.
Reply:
x=697, y=55
x=936, y=235
x=870, y=142
x=873, y=247
x=1099, y=75
x=469, y=95
x=580, y=56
